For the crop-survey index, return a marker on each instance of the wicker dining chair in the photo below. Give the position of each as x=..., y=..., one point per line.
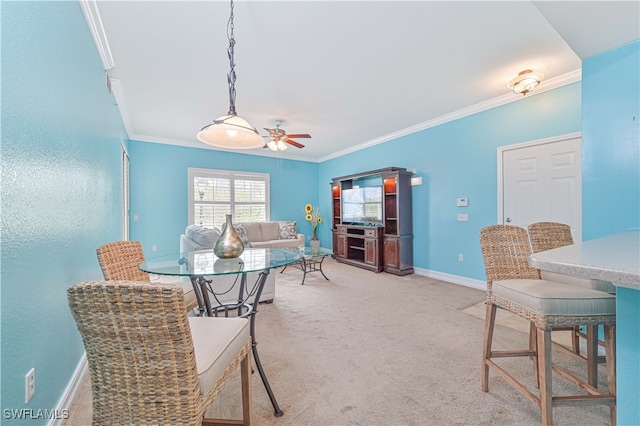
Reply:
x=119, y=260
x=151, y=364
x=548, y=236
x=516, y=287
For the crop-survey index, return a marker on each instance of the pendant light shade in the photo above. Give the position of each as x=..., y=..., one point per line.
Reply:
x=230, y=132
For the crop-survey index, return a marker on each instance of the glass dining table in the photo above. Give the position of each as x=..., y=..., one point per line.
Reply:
x=202, y=266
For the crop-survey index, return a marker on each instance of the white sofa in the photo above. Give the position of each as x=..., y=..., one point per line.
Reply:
x=254, y=234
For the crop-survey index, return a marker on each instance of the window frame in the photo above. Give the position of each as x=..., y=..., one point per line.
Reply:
x=232, y=175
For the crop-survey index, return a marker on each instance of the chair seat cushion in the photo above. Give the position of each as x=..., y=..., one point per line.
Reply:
x=187, y=287
x=553, y=298
x=599, y=285
x=216, y=342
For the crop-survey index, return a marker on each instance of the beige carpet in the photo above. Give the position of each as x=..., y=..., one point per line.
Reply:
x=377, y=349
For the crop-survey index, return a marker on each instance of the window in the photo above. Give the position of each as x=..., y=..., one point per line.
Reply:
x=215, y=193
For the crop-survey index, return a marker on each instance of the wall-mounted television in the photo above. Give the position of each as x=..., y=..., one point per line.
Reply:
x=362, y=206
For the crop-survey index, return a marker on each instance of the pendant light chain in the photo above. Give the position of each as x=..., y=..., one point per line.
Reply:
x=231, y=77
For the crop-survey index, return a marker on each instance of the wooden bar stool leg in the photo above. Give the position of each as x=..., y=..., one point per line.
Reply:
x=610, y=351
x=592, y=355
x=533, y=347
x=489, y=323
x=544, y=377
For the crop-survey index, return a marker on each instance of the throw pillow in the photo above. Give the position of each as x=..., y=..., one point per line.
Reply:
x=287, y=231
x=243, y=235
x=202, y=236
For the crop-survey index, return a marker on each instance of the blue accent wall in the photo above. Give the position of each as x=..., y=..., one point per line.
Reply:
x=611, y=191
x=459, y=159
x=60, y=191
x=611, y=142
x=159, y=188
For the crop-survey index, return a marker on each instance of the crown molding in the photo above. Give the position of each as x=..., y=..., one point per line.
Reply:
x=545, y=86
x=92, y=15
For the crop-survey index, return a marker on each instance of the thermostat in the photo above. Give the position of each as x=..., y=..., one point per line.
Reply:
x=462, y=202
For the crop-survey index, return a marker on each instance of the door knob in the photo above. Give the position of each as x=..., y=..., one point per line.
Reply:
x=508, y=220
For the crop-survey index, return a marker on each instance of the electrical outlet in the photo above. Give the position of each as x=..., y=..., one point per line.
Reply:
x=29, y=385
x=461, y=257
x=154, y=248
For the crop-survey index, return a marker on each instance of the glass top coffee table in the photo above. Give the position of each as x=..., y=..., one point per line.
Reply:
x=310, y=261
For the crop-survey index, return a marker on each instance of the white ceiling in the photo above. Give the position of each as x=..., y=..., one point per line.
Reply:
x=350, y=73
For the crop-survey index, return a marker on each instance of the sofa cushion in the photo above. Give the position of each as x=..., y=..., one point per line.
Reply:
x=252, y=231
x=287, y=230
x=242, y=233
x=203, y=236
x=270, y=230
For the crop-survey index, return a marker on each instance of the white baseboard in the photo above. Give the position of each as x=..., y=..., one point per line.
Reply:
x=454, y=279
x=72, y=389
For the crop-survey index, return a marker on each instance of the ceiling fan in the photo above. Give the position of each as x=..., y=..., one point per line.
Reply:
x=281, y=138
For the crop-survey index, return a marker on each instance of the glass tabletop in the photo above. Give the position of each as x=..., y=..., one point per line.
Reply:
x=309, y=252
x=204, y=262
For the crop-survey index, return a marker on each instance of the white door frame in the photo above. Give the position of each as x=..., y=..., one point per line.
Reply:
x=125, y=201
x=502, y=149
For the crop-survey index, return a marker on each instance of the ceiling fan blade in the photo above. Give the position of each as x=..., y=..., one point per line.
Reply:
x=298, y=136
x=294, y=143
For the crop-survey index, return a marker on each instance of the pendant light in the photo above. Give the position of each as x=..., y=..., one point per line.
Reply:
x=231, y=131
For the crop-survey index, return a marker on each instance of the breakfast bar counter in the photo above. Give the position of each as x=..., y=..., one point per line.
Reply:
x=614, y=258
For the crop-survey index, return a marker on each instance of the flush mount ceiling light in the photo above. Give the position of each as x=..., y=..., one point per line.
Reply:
x=525, y=81
x=231, y=131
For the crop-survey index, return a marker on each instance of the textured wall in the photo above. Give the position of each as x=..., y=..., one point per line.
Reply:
x=60, y=191
x=611, y=142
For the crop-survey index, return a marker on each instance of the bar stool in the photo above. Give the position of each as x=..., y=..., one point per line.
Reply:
x=548, y=236
x=515, y=286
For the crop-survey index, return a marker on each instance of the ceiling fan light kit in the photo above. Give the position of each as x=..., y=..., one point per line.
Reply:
x=280, y=138
x=276, y=145
x=231, y=131
x=525, y=81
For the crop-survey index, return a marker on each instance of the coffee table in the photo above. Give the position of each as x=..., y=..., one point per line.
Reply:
x=310, y=261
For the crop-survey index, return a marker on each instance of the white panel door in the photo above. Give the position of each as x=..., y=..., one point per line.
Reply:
x=543, y=182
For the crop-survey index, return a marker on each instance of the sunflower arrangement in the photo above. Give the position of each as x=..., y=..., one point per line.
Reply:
x=312, y=214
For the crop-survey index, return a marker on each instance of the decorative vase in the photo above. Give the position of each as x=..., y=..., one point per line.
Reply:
x=315, y=242
x=229, y=245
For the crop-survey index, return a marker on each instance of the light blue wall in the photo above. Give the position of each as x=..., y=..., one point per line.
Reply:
x=159, y=185
x=611, y=190
x=60, y=191
x=459, y=159
x=611, y=142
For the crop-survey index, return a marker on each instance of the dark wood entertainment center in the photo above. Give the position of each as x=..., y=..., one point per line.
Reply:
x=384, y=246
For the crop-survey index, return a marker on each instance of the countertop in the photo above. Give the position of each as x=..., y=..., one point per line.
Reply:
x=614, y=258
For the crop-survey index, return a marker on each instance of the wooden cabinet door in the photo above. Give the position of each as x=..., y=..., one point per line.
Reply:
x=391, y=253
x=371, y=251
x=341, y=249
